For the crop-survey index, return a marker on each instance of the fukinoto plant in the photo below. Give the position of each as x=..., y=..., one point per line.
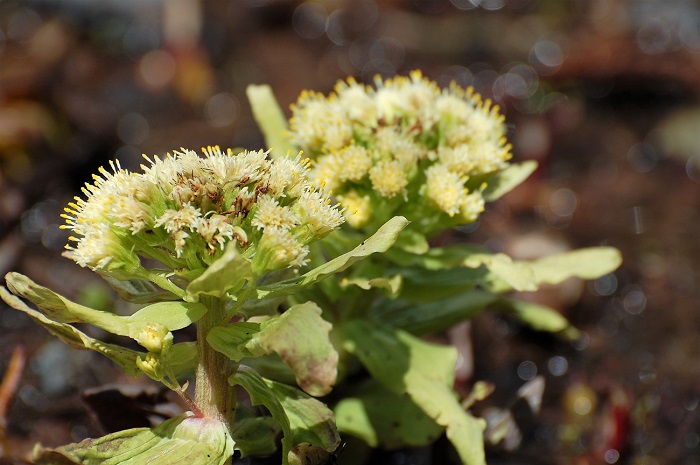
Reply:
x=221, y=240
x=434, y=156
x=289, y=303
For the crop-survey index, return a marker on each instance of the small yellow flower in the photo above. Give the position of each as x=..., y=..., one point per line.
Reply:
x=151, y=365
x=154, y=337
x=288, y=176
x=317, y=215
x=359, y=105
x=472, y=207
x=489, y=157
x=445, y=189
x=187, y=217
x=180, y=240
x=327, y=171
x=270, y=214
x=216, y=230
x=388, y=178
x=354, y=162
x=357, y=208
x=278, y=249
x=458, y=159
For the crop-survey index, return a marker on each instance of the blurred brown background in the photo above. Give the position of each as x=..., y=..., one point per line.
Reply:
x=603, y=93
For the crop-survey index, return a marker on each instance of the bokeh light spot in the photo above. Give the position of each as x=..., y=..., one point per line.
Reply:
x=309, y=20
x=527, y=370
x=634, y=301
x=558, y=365
x=654, y=37
x=582, y=405
x=611, y=456
x=221, y=109
x=563, y=202
x=156, y=69
x=605, y=285
x=132, y=128
x=546, y=57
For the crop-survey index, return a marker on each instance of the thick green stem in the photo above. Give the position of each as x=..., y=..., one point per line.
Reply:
x=213, y=395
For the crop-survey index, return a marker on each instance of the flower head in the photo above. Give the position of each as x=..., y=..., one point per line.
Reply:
x=154, y=337
x=184, y=209
x=412, y=148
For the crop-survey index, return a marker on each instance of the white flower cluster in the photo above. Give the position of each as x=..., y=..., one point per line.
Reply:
x=184, y=209
x=405, y=139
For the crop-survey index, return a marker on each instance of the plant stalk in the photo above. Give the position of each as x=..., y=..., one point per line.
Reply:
x=213, y=395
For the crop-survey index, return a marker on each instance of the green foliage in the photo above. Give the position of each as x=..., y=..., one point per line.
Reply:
x=303, y=419
x=125, y=358
x=381, y=418
x=173, y=315
x=406, y=365
x=380, y=241
x=227, y=274
x=507, y=179
x=313, y=363
x=183, y=440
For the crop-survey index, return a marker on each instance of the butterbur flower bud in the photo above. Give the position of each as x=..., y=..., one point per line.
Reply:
x=151, y=365
x=278, y=249
x=155, y=338
x=415, y=150
x=183, y=210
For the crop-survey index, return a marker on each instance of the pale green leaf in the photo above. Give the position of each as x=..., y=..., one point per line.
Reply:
x=380, y=241
x=303, y=419
x=518, y=275
x=255, y=435
x=270, y=119
x=173, y=315
x=182, y=357
x=227, y=274
x=437, y=258
x=384, y=419
x=310, y=420
x=125, y=358
x=59, y=309
x=588, y=263
x=261, y=394
x=432, y=317
x=138, y=291
x=507, y=179
x=183, y=440
x=538, y=317
x=392, y=285
x=232, y=340
x=427, y=286
x=299, y=336
x=403, y=363
x=528, y=275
